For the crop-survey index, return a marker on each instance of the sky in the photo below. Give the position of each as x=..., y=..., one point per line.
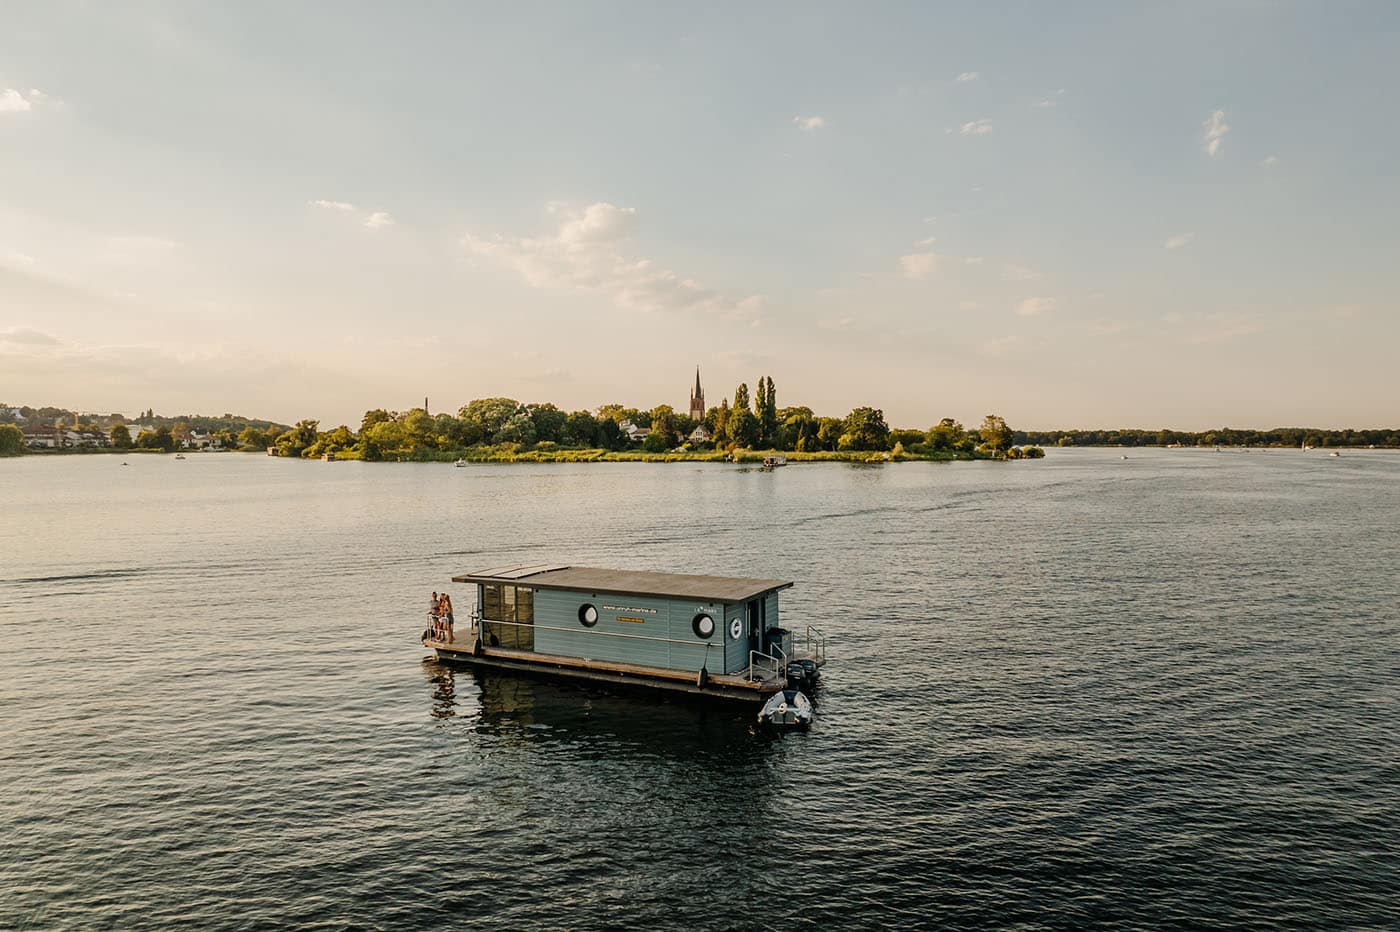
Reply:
x=1070, y=214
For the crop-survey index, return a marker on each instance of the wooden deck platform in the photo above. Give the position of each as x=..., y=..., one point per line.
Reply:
x=716, y=686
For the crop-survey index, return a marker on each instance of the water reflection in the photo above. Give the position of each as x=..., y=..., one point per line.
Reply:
x=443, y=680
x=529, y=710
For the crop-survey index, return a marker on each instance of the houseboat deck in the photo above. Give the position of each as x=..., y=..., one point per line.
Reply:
x=743, y=687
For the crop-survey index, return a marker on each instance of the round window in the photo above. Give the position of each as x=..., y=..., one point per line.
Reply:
x=587, y=615
x=703, y=625
x=736, y=628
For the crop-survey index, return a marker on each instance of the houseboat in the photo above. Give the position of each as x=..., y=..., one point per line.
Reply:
x=705, y=636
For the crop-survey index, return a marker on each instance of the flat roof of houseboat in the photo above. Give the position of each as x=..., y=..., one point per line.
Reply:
x=630, y=582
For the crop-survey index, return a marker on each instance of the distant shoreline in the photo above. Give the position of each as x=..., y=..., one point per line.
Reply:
x=743, y=457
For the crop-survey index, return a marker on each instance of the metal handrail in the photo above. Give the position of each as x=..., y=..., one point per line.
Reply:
x=817, y=638
x=609, y=634
x=777, y=670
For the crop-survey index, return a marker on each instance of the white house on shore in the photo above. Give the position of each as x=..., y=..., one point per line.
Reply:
x=634, y=433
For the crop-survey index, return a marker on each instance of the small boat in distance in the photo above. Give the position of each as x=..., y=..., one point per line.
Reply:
x=774, y=461
x=460, y=463
x=1334, y=453
x=179, y=456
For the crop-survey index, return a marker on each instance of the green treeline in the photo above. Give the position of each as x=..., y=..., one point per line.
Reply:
x=503, y=428
x=1222, y=436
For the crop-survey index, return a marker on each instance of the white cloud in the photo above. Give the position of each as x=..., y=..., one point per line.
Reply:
x=1032, y=306
x=967, y=76
x=26, y=336
x=378, y=220
x=12, y=101
x=968, y=305
x=1270, y=161
x=919, y=265
x=973, y=260
x=584, y=255
x=1179, y=240
x=928, y=241
x=16, y=258
x=810, y=122
x=332, y=205
x=980, y=127
x=1003, y=346
x=1216, y=128
x=1018, y=273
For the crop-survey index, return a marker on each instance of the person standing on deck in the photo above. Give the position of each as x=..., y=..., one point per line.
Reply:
x=434, y=611
x=447, y=615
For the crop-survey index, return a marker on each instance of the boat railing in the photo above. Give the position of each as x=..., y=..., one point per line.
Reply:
x=815, y=646
x=763, y=667
x=487, y=623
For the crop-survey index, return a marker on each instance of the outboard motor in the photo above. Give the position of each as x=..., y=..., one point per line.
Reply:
x=797, y=676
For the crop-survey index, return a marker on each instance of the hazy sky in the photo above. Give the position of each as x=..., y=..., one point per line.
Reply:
x=1070, y=214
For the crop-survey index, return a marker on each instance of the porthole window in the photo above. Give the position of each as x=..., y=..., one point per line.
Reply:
x=703, y=625
x=587, y=615
x=736, y=628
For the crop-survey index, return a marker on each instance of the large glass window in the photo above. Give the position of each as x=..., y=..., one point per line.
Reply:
x=509, y=604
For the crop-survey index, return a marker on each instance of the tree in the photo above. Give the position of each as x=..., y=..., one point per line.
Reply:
x=489, y=416
x=996, y=436
x=760, y=405
x=548, y=422
x=798, y=430
x=656, y=442
x=376, y=416
x=829, y=432
x=158, y=439
x=906, y=438
x=580, y=430
x=947, y=434
x=610, y=436
x=252, y=438
x=663, y=421
x=767, y=412
x=519, y=429
x=718, y=425
x=293, y=441
x=121, y=437
x=743, y=426
x=12, y=440
x=864, y=429
x=330, y=442
x=419, y=428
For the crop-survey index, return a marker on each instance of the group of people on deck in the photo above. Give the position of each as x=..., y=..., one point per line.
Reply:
x=440, y=617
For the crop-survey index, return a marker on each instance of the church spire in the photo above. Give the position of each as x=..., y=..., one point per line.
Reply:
x=697, y=399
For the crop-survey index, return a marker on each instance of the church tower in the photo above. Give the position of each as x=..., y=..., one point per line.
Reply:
x=697, y=399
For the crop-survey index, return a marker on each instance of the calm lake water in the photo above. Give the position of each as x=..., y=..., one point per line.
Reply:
x=1083, y=691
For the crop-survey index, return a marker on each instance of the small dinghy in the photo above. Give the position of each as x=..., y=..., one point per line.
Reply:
x=786, y=709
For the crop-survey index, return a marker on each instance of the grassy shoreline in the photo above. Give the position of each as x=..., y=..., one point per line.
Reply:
x=497, y=455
